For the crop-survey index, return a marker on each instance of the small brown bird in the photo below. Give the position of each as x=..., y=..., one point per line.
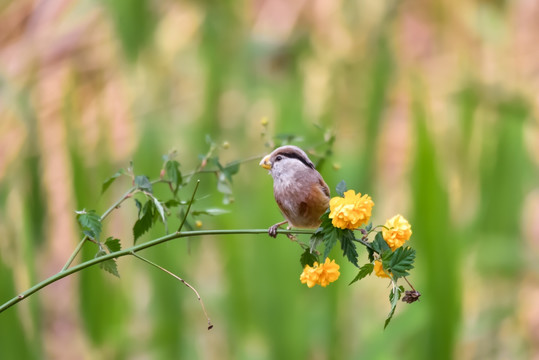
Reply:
x=300, y=190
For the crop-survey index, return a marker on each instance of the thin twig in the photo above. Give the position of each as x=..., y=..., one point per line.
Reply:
x=210, y=325
x=409, y=284
x=189, y=206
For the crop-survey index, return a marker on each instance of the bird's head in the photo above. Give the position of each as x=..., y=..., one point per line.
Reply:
x=286, y=159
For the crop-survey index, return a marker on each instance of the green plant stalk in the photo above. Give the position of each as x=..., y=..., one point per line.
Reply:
x=129, y=251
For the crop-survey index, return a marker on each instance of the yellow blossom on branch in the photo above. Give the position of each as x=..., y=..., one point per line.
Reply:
x=379, y=270
x=396, y=231
x=350, y=211
x=321, y=274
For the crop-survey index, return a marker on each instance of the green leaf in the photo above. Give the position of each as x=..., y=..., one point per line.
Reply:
x=90, y=221
x=330, y=243
x=315, y=240
x=348, y=246
x=139, y=206
x=172, y=203
x=108, y=265
x=363, y=271
x=230, y=169
x=113, y=244
x=371, y=254
x=402, y=261
x=161, y=212
x=143, y=183
x=328, y=233
x=394, y=297
x=111, y=179
x=368, y=227
x=145, y=221
x=173, y=173
x=341, y=188
x=307, y=258
x=89, y=233
x=379, y=244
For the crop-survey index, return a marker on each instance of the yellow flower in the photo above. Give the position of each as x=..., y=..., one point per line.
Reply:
x=396, y=231
x=379, y=270
x=321, y=274
x=351, y=211
x=198, y=224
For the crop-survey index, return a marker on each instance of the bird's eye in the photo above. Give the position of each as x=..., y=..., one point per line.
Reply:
x=278, y=157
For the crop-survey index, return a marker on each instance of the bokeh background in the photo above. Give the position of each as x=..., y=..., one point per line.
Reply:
x=433, y=105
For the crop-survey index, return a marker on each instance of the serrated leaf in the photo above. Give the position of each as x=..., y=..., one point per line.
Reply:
x=328, y=233
x=111, y=179
x=144, y=223
x=173, y=173
x=394, y=297
x=113, y=244
x=92, y=222
x=143, y=183
x=379, y=244
x=330, y=240
x=348, y=246
x=315, y=240
x=108, y=265
x=341, y=188
x=363, y=271
x=402, y=261
x=307, y=258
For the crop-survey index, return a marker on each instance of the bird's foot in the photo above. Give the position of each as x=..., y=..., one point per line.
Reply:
x=292, y=237
x=272, y=231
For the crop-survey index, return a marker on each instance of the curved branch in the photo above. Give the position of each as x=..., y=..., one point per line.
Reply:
x=129, y=251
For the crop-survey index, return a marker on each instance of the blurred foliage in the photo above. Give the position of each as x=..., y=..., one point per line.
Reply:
x=434, y=111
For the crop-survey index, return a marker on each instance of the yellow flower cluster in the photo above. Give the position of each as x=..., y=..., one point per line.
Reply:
x=396, y=231
x=350, y=211
x=321, y=274
x=379, y=270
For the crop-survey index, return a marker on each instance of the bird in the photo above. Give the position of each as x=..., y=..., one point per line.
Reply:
x=299, y=190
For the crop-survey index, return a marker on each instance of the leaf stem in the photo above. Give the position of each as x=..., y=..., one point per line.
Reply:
x=364, y=243
x=128, y=251
x=210, y=326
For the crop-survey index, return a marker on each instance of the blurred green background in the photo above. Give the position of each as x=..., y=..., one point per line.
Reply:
x=434, y=109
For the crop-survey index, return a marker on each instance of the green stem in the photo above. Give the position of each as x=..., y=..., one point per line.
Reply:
x=189, y=206
x=62, y=274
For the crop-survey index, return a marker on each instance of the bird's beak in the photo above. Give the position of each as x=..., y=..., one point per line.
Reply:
x=265, y=163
